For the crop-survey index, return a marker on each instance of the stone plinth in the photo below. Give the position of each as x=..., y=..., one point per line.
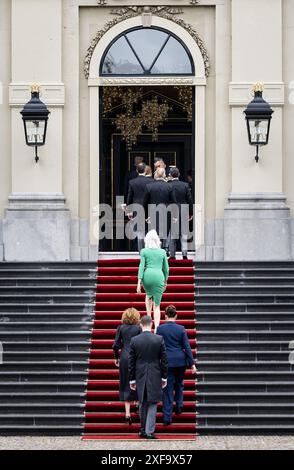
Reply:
x=36, y=227
x=257, y=227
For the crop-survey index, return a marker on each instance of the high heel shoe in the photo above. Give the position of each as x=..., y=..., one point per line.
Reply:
x=128, y=420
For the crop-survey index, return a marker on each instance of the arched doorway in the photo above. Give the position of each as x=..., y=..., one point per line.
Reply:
x=162, y=62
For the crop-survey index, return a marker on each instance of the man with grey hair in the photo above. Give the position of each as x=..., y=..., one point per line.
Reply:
x=148, y=369
x=160, y=163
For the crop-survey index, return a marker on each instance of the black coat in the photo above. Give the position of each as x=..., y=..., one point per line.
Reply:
x=130, y=175
x=148, y=365
x=124, y=334
x=160, y=192
x=137, y=189
x=183, y=193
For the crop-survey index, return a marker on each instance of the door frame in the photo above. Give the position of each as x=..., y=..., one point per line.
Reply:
x=198, y=81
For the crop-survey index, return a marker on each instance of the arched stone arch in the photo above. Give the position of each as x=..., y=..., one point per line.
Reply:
x=104, y=37
x=201, y=62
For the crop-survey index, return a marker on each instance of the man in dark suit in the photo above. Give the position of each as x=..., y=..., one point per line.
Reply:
x=148, y=374
x=179, y=357
x=156, y=194
x=185, y=203
x=130, y=175
x=136, y=196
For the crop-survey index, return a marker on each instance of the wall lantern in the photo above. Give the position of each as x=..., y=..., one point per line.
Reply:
x=35, y=116
x=258, y=116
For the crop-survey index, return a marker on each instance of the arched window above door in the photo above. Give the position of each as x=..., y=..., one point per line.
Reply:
x=146, y=51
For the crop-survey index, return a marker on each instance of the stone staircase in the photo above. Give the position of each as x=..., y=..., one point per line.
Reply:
x=46, y=317
x=245, y=322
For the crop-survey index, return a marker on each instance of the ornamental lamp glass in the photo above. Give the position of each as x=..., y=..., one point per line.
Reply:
x=35, y=117
x=258, y=116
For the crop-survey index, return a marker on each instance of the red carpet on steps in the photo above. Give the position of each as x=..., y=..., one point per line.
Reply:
x=116, y=291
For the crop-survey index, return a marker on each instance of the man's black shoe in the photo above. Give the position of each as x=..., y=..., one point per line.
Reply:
x=185, y=257
x=178, y=410
x=166, y=423
x=151, y=436
x=142, y=434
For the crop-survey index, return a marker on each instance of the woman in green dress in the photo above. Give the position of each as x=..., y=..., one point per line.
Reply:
x=153, y=274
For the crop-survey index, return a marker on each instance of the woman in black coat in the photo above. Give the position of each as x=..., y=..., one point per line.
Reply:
x=125, y=332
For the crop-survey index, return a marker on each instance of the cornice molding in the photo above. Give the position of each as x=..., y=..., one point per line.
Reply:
x=146, y=81
x=240, y=93
x=52, y=94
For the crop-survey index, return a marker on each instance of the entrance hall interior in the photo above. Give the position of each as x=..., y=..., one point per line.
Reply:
x=151, y=122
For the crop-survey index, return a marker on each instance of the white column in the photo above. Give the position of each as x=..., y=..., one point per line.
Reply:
x=94, y=166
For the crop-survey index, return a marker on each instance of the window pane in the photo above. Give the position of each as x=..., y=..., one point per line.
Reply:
x=173, y=59
x=259, y=131
x=147, y=44
x=120, y=59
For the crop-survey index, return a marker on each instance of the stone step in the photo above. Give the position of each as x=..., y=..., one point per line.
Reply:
x=235, y=281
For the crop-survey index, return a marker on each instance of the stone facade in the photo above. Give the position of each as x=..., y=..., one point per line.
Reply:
x=244, y=210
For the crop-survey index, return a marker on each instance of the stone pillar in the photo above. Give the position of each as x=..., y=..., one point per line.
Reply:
x=36, y=225
x=257, y=219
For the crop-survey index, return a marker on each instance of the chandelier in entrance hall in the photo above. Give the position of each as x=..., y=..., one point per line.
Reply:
x=139, y=111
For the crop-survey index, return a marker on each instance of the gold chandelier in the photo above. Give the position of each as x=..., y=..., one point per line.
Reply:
x=139, y=112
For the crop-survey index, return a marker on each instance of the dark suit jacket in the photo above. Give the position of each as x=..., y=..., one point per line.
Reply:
x=137, y=189
x=148, y=365
x=130, y=175
x=160, y=192
x=183, y=193
x=178, y=348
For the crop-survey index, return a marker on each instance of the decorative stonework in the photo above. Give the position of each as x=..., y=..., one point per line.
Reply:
x=125, y=13
x=146, y=81
x=104, y=2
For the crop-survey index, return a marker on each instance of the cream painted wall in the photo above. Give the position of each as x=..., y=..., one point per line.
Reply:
x=5, y=152
x=257, y=40
x=36, y=58
x=36, y=41
x=256, y=28
x=288, y=70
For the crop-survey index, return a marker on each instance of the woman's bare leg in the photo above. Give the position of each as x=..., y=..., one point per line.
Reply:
x=156, y=316
x=148, y=303
x=128, y=408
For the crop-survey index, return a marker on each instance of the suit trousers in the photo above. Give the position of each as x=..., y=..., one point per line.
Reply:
x=173, y=245
x=173, y=391
x=148, y=417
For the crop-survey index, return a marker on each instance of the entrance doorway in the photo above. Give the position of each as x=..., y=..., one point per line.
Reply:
x=169, y=135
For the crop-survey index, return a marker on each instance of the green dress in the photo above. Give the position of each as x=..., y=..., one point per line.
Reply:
x=153, y=271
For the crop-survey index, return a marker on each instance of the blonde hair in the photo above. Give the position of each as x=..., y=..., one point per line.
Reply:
x=152, y=240
x=160, y=173
x=131, y=316
x=148, y=171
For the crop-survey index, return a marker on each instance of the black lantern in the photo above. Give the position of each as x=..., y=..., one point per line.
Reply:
x=258, y=116
x=35, y=116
